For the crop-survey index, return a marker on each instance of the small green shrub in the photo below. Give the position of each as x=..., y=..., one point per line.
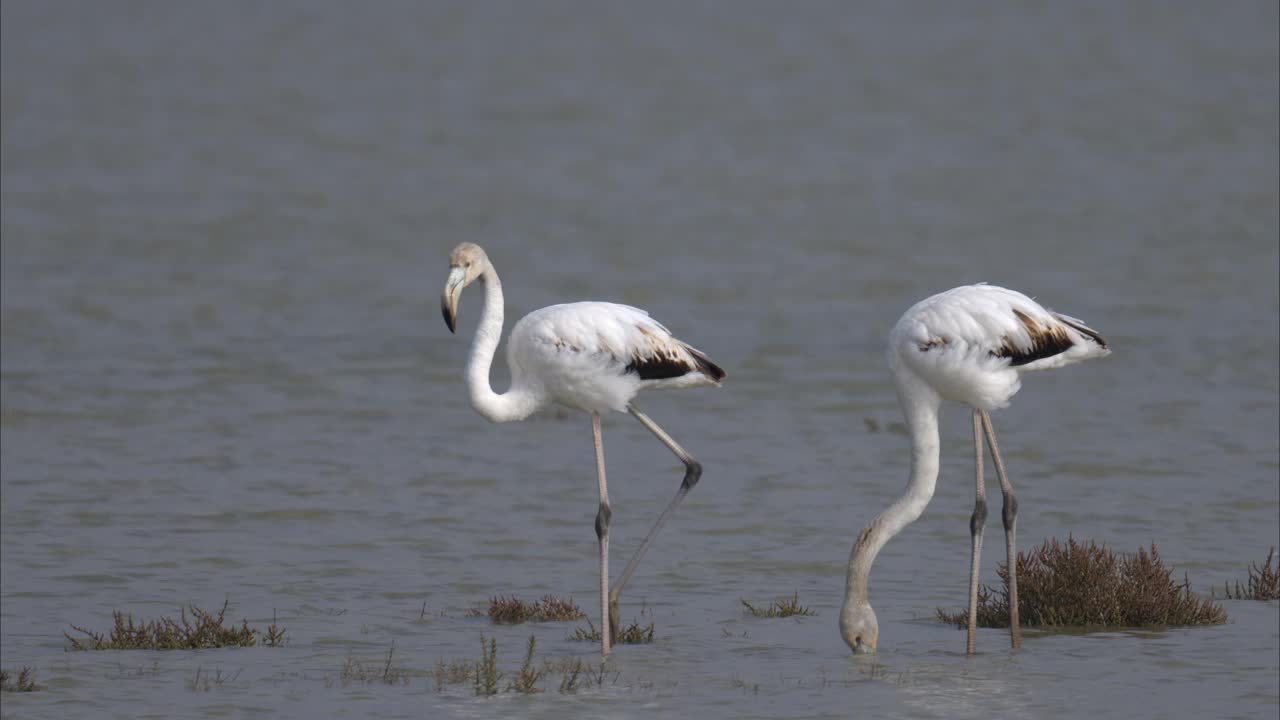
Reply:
x=486, y=670
x=526, y=680
x=786, y=607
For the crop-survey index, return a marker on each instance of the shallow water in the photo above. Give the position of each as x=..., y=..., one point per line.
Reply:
x=225, y=228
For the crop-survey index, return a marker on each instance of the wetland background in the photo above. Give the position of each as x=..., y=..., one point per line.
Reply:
x=225, y=229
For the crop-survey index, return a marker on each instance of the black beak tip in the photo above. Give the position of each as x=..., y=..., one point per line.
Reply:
x=448, y=319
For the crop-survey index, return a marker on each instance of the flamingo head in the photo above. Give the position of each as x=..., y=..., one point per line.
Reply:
x=859, y=628
x=466, y=263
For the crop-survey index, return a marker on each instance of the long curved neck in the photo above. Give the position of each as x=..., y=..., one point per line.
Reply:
x=920, y=406
x=515, y=404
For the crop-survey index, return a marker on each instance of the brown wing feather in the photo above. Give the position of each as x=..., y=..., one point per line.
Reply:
x=1046, y=341
x=1083, y=329
x=670, y=358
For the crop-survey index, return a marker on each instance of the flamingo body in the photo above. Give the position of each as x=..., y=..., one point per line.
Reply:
x=596, y=356
x=971, y=344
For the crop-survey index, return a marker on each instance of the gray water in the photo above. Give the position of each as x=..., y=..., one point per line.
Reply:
x=225, y=376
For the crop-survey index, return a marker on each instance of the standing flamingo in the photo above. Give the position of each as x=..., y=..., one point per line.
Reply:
x=970, y=344
x=593, y=356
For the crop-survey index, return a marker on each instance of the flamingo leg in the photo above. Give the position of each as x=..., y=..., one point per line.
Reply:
x=602, y=533
x=692, y=472
x=1009, y=512
x=976, y=522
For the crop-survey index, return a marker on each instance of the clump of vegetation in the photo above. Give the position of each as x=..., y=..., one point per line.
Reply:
x=384, y=672
x=1263, y=582
x=512, y=610
x=486, y=670
x=576, y=674
x=25, y=682
x=633, y=634
x=1086, y=585
x=486, y=678
x=526, y=681
x=785, y=607
x=204, y=682
x=572, y=678
x=199, y=630
x=452, y=673
x=274, y=636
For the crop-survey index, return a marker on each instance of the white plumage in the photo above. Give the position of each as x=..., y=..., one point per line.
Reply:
x=593, y=356
x=971, y=345
x=598, y=355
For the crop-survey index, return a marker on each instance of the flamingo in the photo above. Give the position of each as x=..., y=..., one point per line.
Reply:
x=970, y=344
x=592, y=356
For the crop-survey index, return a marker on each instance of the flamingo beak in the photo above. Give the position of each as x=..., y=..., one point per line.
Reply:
x=449, y=300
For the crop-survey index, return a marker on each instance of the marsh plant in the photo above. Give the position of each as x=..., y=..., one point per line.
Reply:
x=505, y=610
x=274, y=635
x=1075, y=584
x=486, y=670
x=526, y=681
x=576, y=674
x=487, y=674
x=633, y=634
x=486, y=678
x=194, y=630
x=25, y=681
x=202, y=681
x=383, y=672
x=453, y=673
x=571, y=680
x=1263, y=582
x=786, y=607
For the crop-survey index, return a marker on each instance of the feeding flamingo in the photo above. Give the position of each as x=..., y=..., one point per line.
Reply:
x=970, y=344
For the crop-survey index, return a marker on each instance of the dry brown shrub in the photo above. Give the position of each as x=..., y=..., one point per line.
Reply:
x=1075, y=584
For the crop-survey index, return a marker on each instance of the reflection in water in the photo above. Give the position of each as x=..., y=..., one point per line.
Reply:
x=935, y=689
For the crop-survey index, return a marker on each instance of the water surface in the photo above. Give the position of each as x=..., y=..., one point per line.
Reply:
x=225, y=230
